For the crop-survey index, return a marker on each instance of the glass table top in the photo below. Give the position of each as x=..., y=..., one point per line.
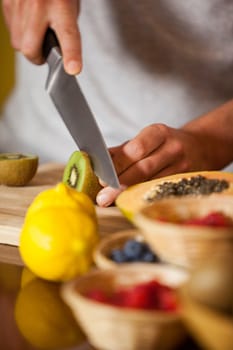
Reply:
x=33, y=315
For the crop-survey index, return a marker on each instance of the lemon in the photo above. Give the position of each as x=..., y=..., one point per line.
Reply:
x=57, y=240
x=58, y=245
x=44, y=319
x=62, y=195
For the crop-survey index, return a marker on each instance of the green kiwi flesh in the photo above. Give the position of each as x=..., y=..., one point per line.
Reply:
x=17, y=169
x=79, y=174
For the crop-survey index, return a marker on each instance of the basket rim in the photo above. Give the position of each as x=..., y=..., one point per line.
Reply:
x=172, y=229
x=75, y=297
x=203, y=308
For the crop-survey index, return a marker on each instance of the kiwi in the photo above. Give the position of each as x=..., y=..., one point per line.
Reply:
x=79, y=174
x=17, y=169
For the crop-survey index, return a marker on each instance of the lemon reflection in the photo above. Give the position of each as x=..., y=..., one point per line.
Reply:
x=27, y=276
x=42, y=317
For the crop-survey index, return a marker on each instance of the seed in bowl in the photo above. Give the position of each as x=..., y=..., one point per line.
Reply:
x=195, y=185
x=133, y=250
x=151, y=295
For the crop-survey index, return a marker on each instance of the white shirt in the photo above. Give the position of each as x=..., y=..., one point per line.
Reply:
x=144, y=62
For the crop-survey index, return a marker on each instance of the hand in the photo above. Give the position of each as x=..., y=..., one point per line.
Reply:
x=156, y=151
x=28, y=20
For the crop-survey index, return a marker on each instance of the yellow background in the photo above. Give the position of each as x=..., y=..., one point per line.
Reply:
x=6, y=62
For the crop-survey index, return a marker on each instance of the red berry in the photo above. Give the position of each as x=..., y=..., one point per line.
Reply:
x=98, y=295
x=167, y=300
x=215, y=219
x=118, y=298
x=136, y=298
x=150, y=295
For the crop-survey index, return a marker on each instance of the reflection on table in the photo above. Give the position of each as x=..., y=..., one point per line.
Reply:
x=33, y=315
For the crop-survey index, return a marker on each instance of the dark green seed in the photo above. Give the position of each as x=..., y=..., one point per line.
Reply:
x=193, y=186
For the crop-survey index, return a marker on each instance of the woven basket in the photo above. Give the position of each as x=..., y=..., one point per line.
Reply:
x=112, y=328
x=180, y=244
x=114, y=241
x=212, y=329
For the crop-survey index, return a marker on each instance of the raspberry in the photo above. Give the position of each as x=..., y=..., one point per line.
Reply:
x=150, y=295
x=118, y=298
x=138, y=297
x=215, y=219
x=167, y=300
x=98, y=295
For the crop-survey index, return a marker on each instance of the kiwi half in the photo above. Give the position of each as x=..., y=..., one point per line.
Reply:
x=79, y=174
x=17, y=169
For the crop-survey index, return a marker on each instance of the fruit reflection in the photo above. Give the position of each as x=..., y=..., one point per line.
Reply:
x=27, y=276
x=43, y=318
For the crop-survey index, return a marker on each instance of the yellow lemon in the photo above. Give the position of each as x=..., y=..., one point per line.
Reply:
x=26, y=277
x=44, y=319
x=57, y=243
x=62, y=195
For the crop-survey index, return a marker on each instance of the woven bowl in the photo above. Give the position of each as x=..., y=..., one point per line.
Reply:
x=112, y=328
x=114, y=241
x=211, y=329
x=185, y=245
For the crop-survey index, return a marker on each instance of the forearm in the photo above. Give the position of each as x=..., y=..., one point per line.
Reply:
x=214, y=131
x=158, y=150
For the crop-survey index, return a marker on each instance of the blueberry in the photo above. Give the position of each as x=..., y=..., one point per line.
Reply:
x=133, y=249
x=145, y=247
x=118, y=256
x=149, y=256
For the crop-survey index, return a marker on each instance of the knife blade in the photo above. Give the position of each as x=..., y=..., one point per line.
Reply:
x=72, y=106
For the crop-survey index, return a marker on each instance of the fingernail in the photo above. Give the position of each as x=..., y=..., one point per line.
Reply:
x=73, y=67
x=103, y=200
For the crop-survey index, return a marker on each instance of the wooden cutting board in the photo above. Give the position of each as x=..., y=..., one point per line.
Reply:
x=14, y=202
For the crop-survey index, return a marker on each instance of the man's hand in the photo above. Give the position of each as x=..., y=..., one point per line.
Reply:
x=156, y=151
x=28, y=20
x=205, y=143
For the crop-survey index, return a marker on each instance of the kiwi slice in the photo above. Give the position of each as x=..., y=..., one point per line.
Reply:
x=17, y=169
x=79, y=174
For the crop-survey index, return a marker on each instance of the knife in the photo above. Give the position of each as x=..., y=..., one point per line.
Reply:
x=75, y=112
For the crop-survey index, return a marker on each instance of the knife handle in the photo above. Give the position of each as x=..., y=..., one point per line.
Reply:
x=50, y=41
